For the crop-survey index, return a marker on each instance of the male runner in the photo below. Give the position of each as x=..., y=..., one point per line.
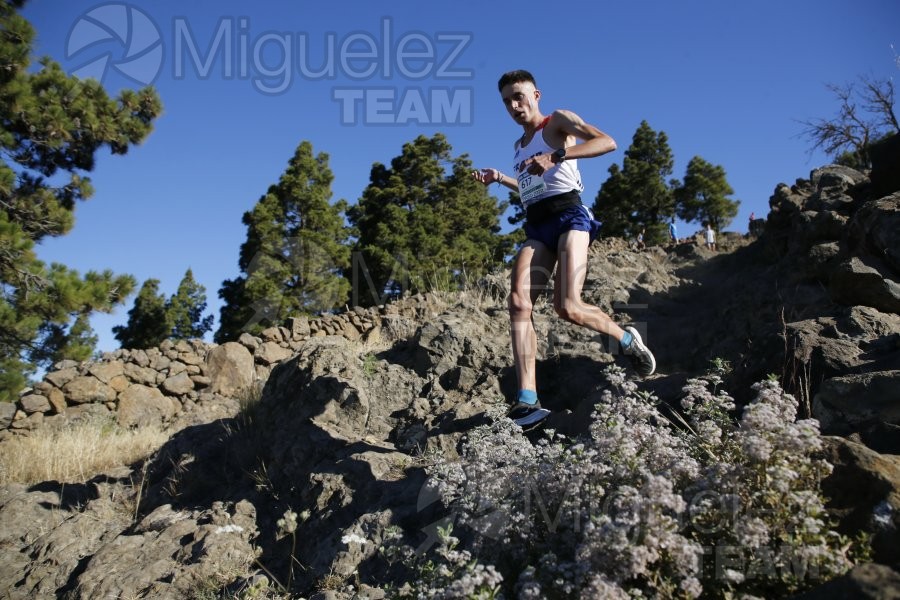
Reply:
x=559, y=229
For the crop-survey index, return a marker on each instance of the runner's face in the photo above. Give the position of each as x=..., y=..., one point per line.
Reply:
x=521, y=101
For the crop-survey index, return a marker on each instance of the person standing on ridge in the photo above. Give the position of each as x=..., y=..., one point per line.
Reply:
x=710, y=237
x=559, y=229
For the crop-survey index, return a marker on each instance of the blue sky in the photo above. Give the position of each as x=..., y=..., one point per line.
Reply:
x=244, y=83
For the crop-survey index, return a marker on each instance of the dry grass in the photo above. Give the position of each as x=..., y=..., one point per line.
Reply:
x=76, y=453
x=483, y=291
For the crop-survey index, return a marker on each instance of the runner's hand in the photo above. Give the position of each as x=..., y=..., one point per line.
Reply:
x=539, y=163
x=486, y=176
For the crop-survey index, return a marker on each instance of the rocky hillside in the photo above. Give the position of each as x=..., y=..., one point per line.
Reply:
x=294, y=455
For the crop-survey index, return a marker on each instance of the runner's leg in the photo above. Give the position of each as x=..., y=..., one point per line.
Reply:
x=530, y=275
x=572, y=270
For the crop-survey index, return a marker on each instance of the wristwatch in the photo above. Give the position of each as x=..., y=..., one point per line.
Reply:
x=559, y=155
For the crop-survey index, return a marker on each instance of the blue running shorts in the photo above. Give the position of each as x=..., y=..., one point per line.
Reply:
x=574, y=218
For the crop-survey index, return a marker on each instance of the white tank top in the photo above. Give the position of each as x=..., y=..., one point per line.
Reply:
x=559, y=179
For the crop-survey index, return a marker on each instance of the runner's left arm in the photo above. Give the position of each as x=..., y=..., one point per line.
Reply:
x=565, y=125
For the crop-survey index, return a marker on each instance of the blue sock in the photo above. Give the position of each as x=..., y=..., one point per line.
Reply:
x=528, y=396
x=626, y=340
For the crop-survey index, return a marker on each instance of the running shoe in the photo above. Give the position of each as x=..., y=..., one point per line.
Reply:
x=641, y=358
x=524, y=414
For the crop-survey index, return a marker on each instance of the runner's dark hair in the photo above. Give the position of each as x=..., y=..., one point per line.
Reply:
x=516, y=76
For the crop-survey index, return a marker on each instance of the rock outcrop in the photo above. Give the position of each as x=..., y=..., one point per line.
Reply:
x=292, y=455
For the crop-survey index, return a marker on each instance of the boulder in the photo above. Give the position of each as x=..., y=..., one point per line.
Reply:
x=835, y=186
x=53, y=547
x=349, y=331
x=868, y=323
x=107, y=371
x=88, y=389
x=863, y=492
x=178, y=385
x=156, y=361
x=252, y=343
x=58, y=400
x=62, y=376
x=814, y=343
x=141, y=405
x=299, y=328
x=32, y=421
x=839, y=176
x=822, y=260
x=33, y=403
x=848, y=402
x=176, y=367
x=7, y=412
x=143, y=375
x=273, y=334
x=869, y=581
x=144, y=358
x=171, y=554
x=65, y=364
x=816, y=227
x=875, y=229
x=87, y=412
x=230, y=369
x=270, y=353
x=863, y=282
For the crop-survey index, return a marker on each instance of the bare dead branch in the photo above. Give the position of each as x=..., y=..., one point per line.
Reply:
x=865, y=114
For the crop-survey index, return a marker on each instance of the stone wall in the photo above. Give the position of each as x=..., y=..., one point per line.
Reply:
x=138, y=387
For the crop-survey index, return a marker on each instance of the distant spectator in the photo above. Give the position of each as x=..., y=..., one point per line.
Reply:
x=757, y=226
x=673, y=233
x=710, y=237
x=640, y=240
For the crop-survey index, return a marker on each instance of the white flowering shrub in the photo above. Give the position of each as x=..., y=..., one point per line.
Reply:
x=445, y=574
x=649, y=504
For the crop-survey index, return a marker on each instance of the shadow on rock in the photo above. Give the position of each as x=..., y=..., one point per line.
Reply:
x=320, y=443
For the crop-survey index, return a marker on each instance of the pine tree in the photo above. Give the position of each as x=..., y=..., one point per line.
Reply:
x=612, y=206
x=423, y=223
x=184, y=310
x=51, y=126
x=295, y=253
x=703, y=196
x=639, y=196
x=148, y=323
x=81, y=340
